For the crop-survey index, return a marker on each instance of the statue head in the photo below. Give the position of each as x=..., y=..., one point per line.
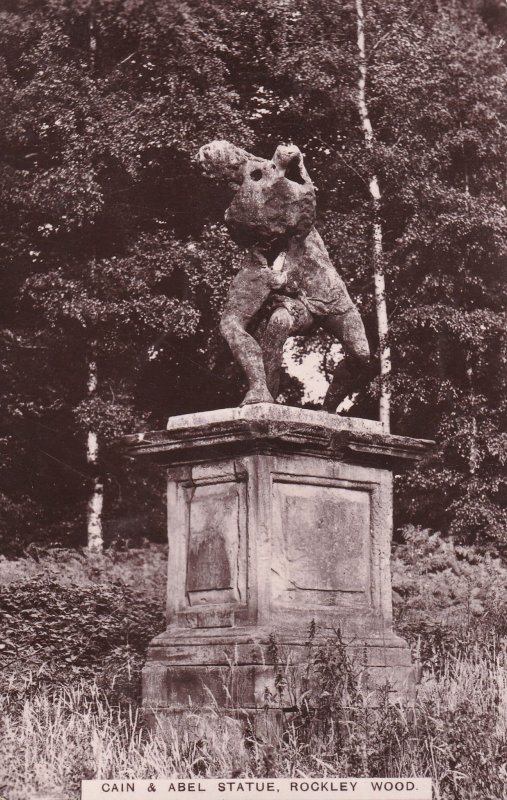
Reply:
x=274, y=200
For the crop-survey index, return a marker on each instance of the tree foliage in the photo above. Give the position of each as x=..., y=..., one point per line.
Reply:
x=113, y=247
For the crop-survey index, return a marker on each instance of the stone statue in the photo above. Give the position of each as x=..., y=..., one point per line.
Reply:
x=286, y=284
x=279, y=518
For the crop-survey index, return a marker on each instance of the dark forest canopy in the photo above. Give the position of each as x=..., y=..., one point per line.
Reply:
x=113, y=248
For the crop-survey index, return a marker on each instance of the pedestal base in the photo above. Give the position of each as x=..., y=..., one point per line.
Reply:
x=196, y=683
x=279, y=523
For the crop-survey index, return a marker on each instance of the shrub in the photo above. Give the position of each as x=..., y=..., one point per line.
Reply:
x=136, y=567
x=60, y=634
x=447, y=599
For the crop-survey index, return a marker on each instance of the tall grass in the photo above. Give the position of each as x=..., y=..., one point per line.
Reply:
x=57, y=738
x=456, y=733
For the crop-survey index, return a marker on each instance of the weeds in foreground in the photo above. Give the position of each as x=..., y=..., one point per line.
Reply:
x=456, y=733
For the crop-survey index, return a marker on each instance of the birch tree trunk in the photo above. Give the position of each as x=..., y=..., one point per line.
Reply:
x=378, y=249
x=92, y=40
x=96, y=499
x=473, y=453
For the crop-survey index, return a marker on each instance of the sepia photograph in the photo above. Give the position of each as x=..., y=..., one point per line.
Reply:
x=253, y=472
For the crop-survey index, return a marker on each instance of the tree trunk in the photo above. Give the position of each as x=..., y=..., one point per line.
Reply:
x=378, y=250
x=473, y=453
x=96, y=499
x=92, y=40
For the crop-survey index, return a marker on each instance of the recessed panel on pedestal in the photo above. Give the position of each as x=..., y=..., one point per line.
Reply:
x=216, y=546
x=321, y=553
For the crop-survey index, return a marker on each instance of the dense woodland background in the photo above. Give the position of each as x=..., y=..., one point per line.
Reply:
x=115, y=262
x=114, y=266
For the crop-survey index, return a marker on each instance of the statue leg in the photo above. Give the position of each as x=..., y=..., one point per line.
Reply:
x=352, y=372
x=291, y=317
x=247, y=293
x=275, y=335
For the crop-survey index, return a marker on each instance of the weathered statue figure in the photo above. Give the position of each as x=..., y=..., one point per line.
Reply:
x=286, y=284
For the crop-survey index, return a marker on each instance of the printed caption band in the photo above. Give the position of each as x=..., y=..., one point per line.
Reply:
x=262, y=789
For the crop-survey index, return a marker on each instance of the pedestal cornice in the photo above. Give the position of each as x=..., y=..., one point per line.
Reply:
x=267, y=428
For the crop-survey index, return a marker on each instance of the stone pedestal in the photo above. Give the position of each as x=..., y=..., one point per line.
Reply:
x=278, y=518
